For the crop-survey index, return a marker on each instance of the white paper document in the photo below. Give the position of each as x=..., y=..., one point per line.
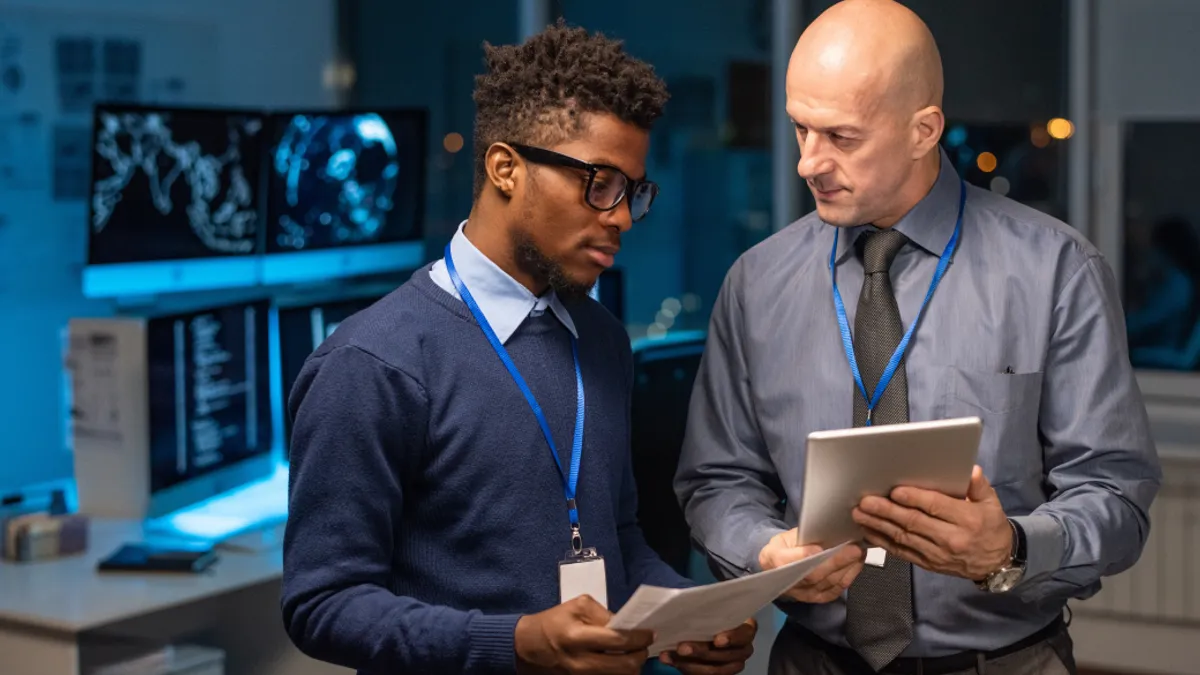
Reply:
x=699, y=614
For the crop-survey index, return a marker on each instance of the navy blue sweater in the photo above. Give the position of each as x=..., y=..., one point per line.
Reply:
x=426, y=513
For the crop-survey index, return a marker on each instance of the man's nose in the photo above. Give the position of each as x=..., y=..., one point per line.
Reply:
x=813, y=161
x=620, y=217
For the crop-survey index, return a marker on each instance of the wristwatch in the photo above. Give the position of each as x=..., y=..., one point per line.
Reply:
x=1013, y=571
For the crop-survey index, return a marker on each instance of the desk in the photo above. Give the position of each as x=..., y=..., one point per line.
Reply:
x=50, y=611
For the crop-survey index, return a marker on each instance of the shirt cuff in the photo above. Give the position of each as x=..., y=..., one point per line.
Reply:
x=1043, y=545
x=759, y=538
x=492, y=644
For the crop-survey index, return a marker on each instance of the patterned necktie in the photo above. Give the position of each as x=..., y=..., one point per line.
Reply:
x=879, y=617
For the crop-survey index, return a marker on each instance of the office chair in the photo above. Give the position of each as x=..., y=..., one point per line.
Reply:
x=664, y=370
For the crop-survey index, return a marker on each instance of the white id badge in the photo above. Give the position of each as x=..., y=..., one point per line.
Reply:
x=876, y=556
x=583, y=574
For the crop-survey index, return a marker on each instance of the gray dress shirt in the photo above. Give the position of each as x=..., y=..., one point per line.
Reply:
x=1025, y=331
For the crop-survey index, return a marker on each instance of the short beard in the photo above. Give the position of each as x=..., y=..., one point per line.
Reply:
x=530, y=260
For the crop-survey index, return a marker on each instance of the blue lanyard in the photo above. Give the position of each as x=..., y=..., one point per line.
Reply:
x=569, y=478
x=844, y=325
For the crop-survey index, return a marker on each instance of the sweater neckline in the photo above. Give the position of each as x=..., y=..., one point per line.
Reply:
x=426, y=285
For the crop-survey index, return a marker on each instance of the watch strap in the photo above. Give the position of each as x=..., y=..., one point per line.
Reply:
x=1019, y=553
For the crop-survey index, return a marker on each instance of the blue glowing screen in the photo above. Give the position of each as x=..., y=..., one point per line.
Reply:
x=344, y=179
x=210, y=395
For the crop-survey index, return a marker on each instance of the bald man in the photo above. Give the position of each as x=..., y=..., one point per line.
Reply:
x=1019, y=325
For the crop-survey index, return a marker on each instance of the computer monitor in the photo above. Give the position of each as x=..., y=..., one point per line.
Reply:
x=174, y=201
x=171, y=410
x=210, y=405
x=302, y=329
x=345, y=190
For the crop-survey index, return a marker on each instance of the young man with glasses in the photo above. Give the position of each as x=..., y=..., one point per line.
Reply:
x=460, y=453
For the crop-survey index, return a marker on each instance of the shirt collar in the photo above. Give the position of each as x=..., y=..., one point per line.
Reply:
x=929, y=224
x=504, y=301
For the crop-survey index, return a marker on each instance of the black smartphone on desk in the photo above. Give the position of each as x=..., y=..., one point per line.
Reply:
x=142, y=557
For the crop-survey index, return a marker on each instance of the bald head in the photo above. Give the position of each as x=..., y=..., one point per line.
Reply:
x=864, y=87
x=880, y=48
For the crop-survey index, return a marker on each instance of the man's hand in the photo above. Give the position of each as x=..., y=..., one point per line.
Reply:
x=823, y=584
x=969, y=538
x=725, y=655
x=572, y=638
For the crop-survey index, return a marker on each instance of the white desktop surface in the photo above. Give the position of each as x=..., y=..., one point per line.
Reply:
x=69, y=595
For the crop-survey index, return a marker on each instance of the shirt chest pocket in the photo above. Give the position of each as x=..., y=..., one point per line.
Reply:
x=1010, y=450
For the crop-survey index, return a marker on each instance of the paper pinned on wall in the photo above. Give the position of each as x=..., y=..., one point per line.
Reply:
x=22, y=159
x=95, y=387
x=75, y=69
x=89, y=70
x=122, y=68
x=13, y=71
x=72, y=156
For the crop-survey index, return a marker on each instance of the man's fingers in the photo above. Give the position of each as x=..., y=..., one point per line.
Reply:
x=841, y=579
x=597, y=639
x=980, y=490
x=604, y=664
x=782, y=550
x=821, y=572
x=826, y=581
x=847, y=576
x=638, y=639
x=850, y=554
x=941, y=506
x=901, y=551
x=698, y=658
x=790, y=554
x=697, y=668
x=807, y=596
x=590, y=612
x=813, y=596
x=896, y=520
x=742, y=635
x=913, y=539
x=844, y=558
x=704, y=652
x=823, y=590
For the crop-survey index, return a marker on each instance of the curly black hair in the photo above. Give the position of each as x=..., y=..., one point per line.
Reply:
x=534, y=93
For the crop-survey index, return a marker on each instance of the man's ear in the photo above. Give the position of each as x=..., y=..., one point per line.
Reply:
x=503, y=167
x=928, y=124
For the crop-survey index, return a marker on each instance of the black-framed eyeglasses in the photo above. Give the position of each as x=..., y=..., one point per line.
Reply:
x=607, y=186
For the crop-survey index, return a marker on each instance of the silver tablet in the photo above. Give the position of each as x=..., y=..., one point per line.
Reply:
x=844, y=466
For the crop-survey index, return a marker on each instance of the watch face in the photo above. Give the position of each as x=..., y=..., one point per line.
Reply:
x=1005, y=580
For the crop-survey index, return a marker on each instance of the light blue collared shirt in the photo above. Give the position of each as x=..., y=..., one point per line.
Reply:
x=505, y=303
x=1025, y=331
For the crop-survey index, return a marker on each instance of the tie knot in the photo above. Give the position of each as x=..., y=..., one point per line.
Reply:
x=880, y=249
